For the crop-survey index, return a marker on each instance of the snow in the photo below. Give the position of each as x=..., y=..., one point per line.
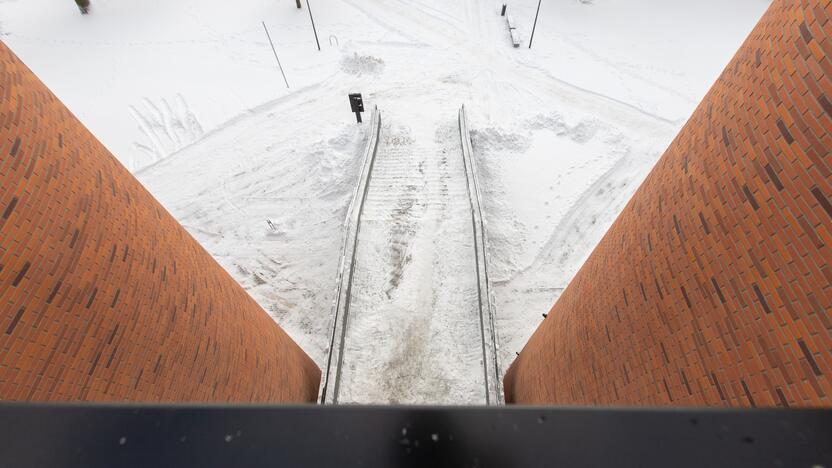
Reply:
x=117, y=66
x=188, y=95
x=226, y=188
x=413, y=334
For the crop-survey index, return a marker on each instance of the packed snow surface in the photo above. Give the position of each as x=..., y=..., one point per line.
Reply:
x=414, y=296
x=188, y=95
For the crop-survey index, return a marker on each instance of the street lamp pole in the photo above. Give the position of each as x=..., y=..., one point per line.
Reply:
x=535, y=23
x=308, y=7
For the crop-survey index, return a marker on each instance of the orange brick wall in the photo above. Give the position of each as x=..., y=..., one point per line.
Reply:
x=103, y=295
x=714, y=285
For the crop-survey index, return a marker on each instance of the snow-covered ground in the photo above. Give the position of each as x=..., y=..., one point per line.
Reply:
x=188, y=96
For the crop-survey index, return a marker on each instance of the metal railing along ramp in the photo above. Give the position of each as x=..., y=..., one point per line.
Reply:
x=341, y=306
x=494, y=392
x=332, y=381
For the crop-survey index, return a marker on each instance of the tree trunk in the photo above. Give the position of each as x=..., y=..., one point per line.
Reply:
x=83, y=5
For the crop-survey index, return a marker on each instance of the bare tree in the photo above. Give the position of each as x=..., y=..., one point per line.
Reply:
x=83, y=5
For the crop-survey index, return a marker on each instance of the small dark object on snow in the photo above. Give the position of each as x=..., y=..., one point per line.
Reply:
x=503, y=11
x=357, y=105
x=83, y=5
x=545, y=315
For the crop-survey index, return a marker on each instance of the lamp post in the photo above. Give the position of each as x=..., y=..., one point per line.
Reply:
x=308, y=7
x=275, y=54
x=531, y=38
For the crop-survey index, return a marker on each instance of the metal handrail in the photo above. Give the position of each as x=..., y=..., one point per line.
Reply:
x=494, y=391
x=340, y=307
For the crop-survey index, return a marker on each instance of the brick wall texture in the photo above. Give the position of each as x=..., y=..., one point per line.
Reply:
x=714, y=285
x=103, y=295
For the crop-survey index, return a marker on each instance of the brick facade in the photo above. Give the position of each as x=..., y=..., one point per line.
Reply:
x=103, y=295
x=714, y=285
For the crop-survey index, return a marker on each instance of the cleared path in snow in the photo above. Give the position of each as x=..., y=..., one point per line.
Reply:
x=413, y=333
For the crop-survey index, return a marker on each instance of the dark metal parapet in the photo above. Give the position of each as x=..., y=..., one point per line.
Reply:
x=351, y=436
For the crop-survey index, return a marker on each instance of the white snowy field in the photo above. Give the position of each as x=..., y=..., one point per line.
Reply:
x=188, y=96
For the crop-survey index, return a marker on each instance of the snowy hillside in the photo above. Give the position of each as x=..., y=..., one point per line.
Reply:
x=188, y=96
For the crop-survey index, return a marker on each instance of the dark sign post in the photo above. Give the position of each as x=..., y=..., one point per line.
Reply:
x=357, y=105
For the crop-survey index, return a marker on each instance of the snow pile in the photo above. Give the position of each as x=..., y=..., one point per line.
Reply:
x=360, y=64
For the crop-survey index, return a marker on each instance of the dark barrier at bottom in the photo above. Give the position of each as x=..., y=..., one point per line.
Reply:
x=33, y=435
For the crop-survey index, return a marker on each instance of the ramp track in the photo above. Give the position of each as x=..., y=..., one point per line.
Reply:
x=413, y=322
